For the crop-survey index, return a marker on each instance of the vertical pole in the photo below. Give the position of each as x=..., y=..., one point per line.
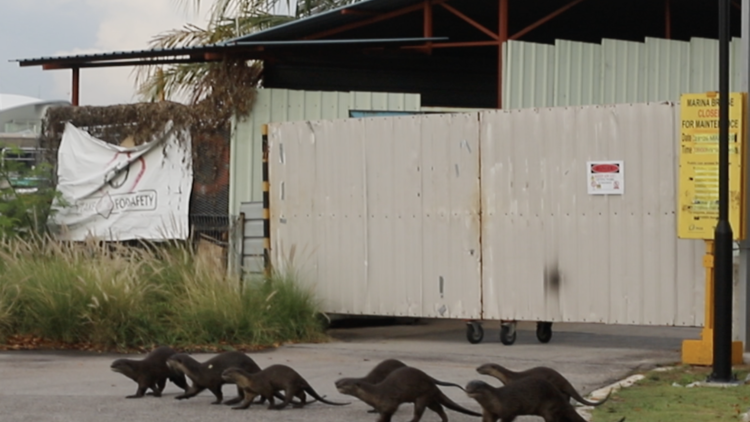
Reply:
x=428, y=23
x=722, y=353
x=667, y=19
x=266, y=207
x=743, y=292
x=502, y=32
x=75, y=89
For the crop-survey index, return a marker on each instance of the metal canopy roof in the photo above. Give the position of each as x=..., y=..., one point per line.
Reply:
x=203, y=53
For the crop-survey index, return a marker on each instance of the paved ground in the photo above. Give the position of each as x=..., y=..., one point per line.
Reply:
x=49, y=386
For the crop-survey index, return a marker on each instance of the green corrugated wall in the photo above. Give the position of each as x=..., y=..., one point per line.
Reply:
x=572, y=73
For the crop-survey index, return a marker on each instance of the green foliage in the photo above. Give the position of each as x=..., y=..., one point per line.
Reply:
x=118, y=297
x=666, y=397
x=26, y=195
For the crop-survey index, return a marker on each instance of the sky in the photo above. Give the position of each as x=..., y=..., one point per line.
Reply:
x=39, y=28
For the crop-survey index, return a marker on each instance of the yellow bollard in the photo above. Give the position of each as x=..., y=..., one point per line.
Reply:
x=701, y=352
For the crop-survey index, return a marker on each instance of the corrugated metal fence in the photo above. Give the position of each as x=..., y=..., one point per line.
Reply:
x=465, y=215
x=615, y=71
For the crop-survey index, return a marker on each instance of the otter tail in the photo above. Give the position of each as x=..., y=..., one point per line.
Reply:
x=309, y=390
x=450, y=404
x=447, y=384
x=580, y=399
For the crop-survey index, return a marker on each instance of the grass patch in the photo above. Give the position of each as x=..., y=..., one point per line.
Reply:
x=655, y=398
x=117, y=297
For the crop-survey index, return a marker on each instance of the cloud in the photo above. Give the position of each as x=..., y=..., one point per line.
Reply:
x=123, y=26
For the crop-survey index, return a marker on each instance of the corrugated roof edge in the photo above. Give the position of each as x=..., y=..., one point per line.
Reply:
x=204, y=48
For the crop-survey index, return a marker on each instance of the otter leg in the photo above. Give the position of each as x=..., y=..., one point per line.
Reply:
x=386, y=416
x=240, y=396
x=219, y=396
x=271, y=405
x=191, y=392
x=139, y=392
x=249, y=397
x=288, y=394
x=420, y=405
x=435, y=407
x=302, y=399
x=158, y=386
x=489, y=417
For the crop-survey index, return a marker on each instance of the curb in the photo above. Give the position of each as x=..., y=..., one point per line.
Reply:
x=585, y=411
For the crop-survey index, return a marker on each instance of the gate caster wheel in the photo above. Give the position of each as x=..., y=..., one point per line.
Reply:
x=544, y=331
x=474, y=332
x=508, y=333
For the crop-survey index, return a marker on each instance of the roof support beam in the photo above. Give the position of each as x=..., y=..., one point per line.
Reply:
x=502, y=29
x=470, y=21
x=667, y=19
x=544, y=20
x=76, y=87
x=428, y=24
x=454, y=44
x=370, y=21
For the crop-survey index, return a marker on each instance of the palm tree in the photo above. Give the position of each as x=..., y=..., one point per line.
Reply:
x=228, y=19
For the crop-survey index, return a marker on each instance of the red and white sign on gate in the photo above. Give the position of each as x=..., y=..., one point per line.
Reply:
x=605, y=177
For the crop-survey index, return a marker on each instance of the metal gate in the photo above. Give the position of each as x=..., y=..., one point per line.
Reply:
x=471, y=215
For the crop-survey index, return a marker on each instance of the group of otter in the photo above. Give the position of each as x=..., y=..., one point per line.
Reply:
x=539, y=391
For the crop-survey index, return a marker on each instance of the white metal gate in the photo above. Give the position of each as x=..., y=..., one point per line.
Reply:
x=382, y=215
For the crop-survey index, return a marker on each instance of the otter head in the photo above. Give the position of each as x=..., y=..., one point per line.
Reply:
x=233, y=374
x=347, y=386
x=476, y=388
x=490, y=369
x=123, y=366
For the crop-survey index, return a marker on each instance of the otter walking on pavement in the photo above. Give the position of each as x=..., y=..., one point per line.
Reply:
x=404, y=385
x=150, y=372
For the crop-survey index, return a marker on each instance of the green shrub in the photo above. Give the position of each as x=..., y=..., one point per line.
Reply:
x=116, y=296
x=23, y=213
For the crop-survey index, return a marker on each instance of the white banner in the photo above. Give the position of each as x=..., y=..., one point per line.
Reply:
x=119, y=193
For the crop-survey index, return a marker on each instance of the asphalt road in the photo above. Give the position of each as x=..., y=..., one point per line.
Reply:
x=55, y=386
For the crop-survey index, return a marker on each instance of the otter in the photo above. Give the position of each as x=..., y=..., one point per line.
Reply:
x=207, y=375
x=527, y=396
x=404, y=385
x=150, y=372
x=555, y=378
x=269, y=381
x=379, y=372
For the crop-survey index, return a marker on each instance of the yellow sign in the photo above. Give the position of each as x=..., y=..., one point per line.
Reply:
x=698, y=190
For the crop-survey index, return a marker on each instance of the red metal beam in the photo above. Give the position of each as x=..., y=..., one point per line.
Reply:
x=543, y=20
x=75, y=89
x=470, y=21
x=370, y=21
x=667, y=20
x=428, y=24
x=502, y=29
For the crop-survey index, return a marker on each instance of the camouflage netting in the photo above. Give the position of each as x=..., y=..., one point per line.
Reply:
x=232, y=90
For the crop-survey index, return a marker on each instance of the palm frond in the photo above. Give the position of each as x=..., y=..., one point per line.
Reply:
x=228, y=19
x=188, y=35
